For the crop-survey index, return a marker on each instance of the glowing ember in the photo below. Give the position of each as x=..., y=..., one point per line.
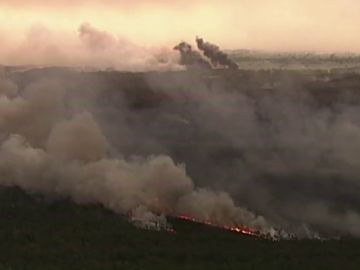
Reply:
x=236, y=229
x=158, y=223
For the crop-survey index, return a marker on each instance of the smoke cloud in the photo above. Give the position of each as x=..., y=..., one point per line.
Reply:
x=273, y=142
x=191, y=58
x=216, y=56
x=51, y=147
x=289, y=152
x=90, y=48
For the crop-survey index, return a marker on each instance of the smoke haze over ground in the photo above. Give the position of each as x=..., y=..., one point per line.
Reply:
x=263, y=148
x=51, y=143
x=281, y=144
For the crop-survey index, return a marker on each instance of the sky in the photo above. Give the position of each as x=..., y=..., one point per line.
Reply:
x=273, y=25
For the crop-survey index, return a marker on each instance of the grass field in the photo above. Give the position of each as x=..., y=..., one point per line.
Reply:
x=38, y=234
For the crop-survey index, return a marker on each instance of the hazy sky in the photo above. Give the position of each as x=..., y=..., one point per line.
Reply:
x=317, y=25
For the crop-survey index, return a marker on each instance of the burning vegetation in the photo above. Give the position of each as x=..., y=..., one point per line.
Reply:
x=143, y=219
x=91, y=237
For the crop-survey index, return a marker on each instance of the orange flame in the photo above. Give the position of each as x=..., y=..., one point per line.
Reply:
x=237, y=229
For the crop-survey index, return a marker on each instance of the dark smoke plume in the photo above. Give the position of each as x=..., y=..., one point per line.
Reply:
x=216, y=56
x=190, y=58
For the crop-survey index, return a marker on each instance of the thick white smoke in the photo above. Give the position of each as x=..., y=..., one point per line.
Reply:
x=49, y=147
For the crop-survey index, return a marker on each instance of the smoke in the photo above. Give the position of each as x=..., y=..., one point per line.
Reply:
x=218, y=208
x=110, y=52
x=63, y=141
x=193, y=59
x=290, y=152
x=216, y=56
x=90, y=48
x=95, y=39
x=52, y=147
x=190, y=58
